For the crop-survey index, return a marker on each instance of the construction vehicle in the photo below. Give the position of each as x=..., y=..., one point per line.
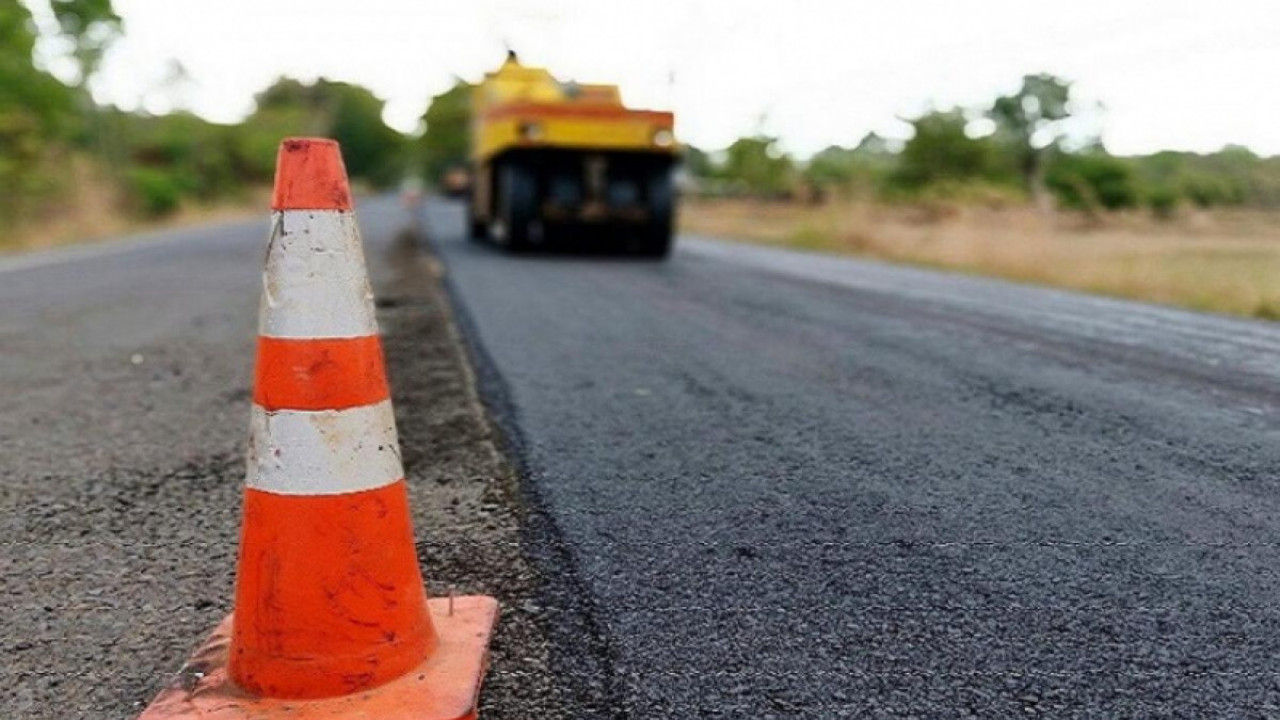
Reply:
x=560, y=161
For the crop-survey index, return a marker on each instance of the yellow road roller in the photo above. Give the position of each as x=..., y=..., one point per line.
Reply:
x=562, y=162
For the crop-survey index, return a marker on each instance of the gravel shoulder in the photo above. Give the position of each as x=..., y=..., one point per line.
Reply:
x=467, y=502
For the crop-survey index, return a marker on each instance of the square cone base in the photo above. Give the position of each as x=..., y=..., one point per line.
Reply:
x=445, y=687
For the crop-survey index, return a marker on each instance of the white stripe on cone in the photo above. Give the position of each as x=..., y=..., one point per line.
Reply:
x=325, y=452
x=315, y=284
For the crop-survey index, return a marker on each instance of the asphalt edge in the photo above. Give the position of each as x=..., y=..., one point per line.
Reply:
x=590, y=676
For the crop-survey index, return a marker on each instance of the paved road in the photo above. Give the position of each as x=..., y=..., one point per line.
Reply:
x=763, y=484
x=786, y=485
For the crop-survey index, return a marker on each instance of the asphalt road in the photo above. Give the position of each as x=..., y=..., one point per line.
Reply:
x=758, y=484
x=785, y=485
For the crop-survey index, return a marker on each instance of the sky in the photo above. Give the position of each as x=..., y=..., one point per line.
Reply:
x=1148, y=74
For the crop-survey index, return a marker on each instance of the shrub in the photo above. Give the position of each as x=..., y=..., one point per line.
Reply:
x=1163, y=201
x=1092, y=182
x=153, y=192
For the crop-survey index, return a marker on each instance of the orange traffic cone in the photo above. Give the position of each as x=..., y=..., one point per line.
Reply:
x=331, y=619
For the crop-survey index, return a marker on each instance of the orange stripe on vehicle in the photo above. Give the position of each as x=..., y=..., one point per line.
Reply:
x=310, y=176
x=319, y=374
x=600, y=112
x=324, y=605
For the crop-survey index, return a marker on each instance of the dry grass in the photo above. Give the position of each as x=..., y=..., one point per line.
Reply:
x=91, y=211
x=1223, y=261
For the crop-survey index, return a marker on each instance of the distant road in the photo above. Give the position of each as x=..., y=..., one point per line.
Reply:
x=787, y=485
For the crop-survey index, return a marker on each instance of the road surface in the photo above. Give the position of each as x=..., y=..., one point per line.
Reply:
x=793, y=485
x=758, y=484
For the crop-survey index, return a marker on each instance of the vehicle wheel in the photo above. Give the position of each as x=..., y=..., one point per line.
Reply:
x=517, y=206
x=478, y=230
x=659, y=234
x=656, y=245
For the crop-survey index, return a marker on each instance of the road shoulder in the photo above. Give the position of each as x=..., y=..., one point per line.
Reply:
x=466, y=499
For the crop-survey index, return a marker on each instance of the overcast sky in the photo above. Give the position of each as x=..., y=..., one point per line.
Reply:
x=1168, y=73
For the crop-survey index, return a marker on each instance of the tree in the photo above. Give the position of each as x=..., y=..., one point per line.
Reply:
x=1029, y=124
x=91, y=26
x=35, y=112
x=758, y=166
x=370, y=149
x=941, y=150
x=446, y=140
x=843, y=168
x=348, y=113
x=25, y=89
x=833, y=167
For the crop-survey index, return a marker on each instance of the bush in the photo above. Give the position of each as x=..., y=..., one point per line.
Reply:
x=153, y=192
x=1163, y=201
x=1092, y=182
x=1207, y=191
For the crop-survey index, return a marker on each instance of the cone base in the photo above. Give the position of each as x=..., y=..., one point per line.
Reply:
x=445, y=687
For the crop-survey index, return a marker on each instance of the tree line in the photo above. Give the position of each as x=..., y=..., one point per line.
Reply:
x=1014, y=149
x=54, y=139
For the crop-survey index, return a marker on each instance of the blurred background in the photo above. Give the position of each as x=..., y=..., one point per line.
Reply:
x=1127, y=148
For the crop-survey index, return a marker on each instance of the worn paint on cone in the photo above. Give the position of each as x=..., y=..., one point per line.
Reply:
x=331, y=618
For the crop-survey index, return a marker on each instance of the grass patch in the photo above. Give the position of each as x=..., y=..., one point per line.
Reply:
x=93, y=210
x=1224, y=261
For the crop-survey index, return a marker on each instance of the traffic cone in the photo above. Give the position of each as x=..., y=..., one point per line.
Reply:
x=331, y=619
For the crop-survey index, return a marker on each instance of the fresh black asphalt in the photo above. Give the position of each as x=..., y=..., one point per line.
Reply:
x=786, y=485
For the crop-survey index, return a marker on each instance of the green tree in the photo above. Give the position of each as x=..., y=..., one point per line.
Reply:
x=24, y=89
x=348, y=113
x=35, y=112
x=941, y=150
x=832, y=167
x=91, y=26
x=1029, y=124
x=847, y=169
x=371, y=150
x=756, y=165
x=446, y=140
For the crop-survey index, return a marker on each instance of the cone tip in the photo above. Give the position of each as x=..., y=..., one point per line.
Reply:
x=310, y=176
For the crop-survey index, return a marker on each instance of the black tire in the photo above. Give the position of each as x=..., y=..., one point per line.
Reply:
x=659, y=234
x=517, y=206
x=478, y=230
x=656, y=246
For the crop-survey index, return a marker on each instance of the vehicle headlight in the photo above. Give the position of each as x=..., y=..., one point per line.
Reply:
x=531, y=131
x=663, y=138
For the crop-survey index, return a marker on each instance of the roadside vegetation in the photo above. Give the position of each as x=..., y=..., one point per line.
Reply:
x=1004, y=191
x=71, y=169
